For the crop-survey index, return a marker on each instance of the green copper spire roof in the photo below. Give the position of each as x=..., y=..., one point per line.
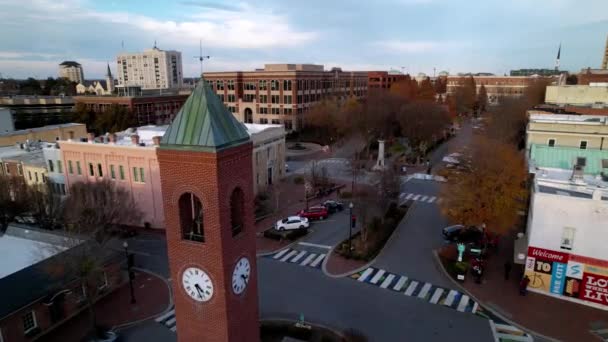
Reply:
x=204, y=124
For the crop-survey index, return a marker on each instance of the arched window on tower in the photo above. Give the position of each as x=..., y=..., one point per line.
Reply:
x=191, y=218
x=237, y=211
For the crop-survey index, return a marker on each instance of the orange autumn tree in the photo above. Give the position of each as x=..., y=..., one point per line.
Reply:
x=489, y=189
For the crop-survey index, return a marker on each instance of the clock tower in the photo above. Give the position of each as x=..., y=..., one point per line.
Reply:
x=205, y=161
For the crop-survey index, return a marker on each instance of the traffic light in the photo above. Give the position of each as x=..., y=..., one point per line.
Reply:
x=353, y=221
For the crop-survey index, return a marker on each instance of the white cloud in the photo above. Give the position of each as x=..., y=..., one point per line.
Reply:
x=25, y=54
x=20, y=68
x=408, y=46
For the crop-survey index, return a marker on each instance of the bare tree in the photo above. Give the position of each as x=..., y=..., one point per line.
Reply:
x=93, y=212
x=423, y=123
x=46, y=205
x=13, y=199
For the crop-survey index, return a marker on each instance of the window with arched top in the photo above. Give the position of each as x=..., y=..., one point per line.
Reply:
x=237, y=211
x=191, y=217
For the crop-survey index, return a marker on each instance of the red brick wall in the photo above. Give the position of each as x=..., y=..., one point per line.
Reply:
x=11, y=326
x=212, y=178
x=585, y=78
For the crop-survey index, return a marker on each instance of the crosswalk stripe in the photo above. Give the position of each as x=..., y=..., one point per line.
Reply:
x=400, y=283
x=317, y=260
x=170, y=322
x=463, y=303
x=281, y=253
x=308, y=259
x=416, y=197
x=450, y=298
x=299, y=256
x=409, y=196
x=411, y=288
x=433, y=198
x=289, y=255
x=377, y=276
x=474, y=310
x=436, y=295
x=387, y=281
x=365, y=274
x=425, y=290
x=165, y=316
x=174, y=328
x=423, y=198
x=508, y=337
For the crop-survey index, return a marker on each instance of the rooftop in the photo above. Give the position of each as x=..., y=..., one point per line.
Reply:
x=70, y=64
x=561, y=182
x=568, y=119
x=33, y=158
x=39, y=129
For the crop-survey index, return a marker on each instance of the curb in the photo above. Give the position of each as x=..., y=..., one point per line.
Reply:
x=287, y=320
x=263, y=254
x=494, y=312
x=169, y=306
x=324, y=266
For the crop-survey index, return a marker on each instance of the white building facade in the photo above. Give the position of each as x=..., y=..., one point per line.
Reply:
x=54, y=166
x=72, y=71
x=151, y=69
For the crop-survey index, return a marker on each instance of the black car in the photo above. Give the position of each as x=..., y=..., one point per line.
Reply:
x=464, y=234
x=333, y=206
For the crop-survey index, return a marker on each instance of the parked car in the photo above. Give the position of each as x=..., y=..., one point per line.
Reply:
x=314, y=213
x=464, y=234
x=333, y=206
x=292, y=222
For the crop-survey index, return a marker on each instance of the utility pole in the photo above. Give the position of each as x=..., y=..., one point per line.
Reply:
x=200, y=56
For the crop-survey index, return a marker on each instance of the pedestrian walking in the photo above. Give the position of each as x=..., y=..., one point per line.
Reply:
x=523, y=285
x=507, y=269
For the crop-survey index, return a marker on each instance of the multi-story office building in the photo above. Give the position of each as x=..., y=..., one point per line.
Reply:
x=383, y=79
x=532, y=72
x=577, y=131
x=46, y=133
x=588, y=76
x=496, y=86
x=34, y=111
x=281, y=93
x=151, y=69
x=72, y=71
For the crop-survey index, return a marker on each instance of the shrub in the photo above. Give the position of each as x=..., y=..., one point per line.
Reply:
x=273, y=234
x=298, y=180
x=346, y=194
x=295, y=234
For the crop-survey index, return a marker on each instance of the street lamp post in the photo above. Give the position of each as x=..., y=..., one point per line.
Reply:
x=350, y=227
x=126, y=246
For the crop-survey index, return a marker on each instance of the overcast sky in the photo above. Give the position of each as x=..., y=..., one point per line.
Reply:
x=410, y=35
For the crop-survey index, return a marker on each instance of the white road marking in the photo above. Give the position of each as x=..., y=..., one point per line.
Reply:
x=463, y=303
x=165, y=316
x=450, y=298
x=317, y=260
x=425, y=290
x=411, y=288
x=289, y=255
x=308, y=259
x=377, y=276
x=299, y=256
x=409, y=196
x=281, y=253
x=174, y=329
x=365, y=274
x=432, y=199
x=387, y=281
x=400, y=283
x=314, y=244
x=170, y=322
x=416, y=197
x=474, y=308
x=424, y=198
x=436, y=295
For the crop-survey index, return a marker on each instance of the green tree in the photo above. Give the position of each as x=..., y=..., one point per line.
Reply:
x=30, y=86
x=465, y=95
x=113, y=119
x=82, y=114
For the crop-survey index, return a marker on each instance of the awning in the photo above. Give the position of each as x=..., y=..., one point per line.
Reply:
x=520, y=250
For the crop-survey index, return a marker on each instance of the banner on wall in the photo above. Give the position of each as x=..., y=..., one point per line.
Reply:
x=546, y=270
x=594, y=288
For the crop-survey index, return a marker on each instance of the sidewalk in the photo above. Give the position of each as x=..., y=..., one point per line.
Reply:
x=552, y=317
x=152, y=297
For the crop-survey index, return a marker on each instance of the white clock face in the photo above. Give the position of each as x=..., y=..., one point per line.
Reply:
x=240, y=275
x=197, y=284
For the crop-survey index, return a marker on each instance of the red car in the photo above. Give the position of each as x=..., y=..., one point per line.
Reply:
x=314, y=213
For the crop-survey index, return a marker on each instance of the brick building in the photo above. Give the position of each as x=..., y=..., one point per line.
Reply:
x=281, y=93
x=383, y=79
x=589, y=75
x=46, y=133
x=496, y=86
x=150, y=110
x=35, y=299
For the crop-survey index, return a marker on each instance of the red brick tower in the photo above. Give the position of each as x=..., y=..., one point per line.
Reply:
x=206, y=177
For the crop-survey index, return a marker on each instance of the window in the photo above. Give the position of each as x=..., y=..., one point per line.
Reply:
x=29, y=322
x=29, y=175
x=191, y=217
x=219, y=85
x=263, y=121
x=250, y=86
x=583, y=145
x=274, y=85
x=274, y=98
x=249, y=98
x=121, y=172
x=231, y=85
x=263, y=85
x=112, y=172
x=59, y=166
x=91, y=170
x=263, y=110
x=567, y=238
x=70, y=167
x=286, y=84
x=51, y=166
x=264, y=98
x=551, y=142
x=287, y=99
x=231, y=98
x=78, y=169
x=275, y=110
x=36, y=176
x=141, y=175
x=103, y=281
x=276, y=122
x=20, y=169
x=135, y=175
x=604, y=163
x=237, y=211
x=99, y=170
x=581, y=161
x=287, y=111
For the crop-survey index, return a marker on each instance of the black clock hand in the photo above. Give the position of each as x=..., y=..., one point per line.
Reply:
x=246, y=278
x=199, y=290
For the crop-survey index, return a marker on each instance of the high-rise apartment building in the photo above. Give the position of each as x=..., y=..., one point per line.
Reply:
x=281, y=93
x=151, y=69
x=72, y=71
x=605, y=60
